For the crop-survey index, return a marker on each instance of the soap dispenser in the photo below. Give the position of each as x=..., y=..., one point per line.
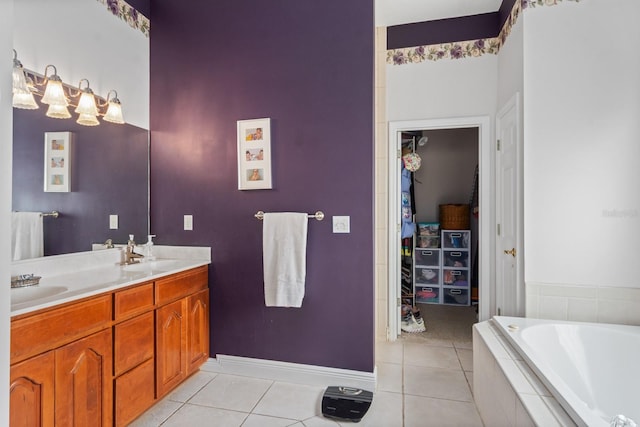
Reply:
x=149, y=248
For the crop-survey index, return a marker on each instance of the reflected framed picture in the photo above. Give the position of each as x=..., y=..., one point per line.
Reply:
x=57, y=162
x=254, y=154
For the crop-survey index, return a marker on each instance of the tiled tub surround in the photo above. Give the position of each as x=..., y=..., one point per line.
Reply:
x=505, y=389
x=583, y=303
x=85, y=274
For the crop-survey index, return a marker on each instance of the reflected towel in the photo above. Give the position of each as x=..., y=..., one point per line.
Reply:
x=27, y=238
x=284, y=253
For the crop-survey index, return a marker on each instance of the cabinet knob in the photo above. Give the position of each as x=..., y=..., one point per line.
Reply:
x=511, y=252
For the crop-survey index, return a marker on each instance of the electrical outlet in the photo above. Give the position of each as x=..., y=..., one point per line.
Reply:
x=113, y=222
x=188, y=222
x=341, y=224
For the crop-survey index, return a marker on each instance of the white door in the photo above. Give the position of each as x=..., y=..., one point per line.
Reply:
x=509, y=273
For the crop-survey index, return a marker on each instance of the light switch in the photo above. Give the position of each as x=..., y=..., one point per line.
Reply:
x=188, y=222
x=341, y=224
x=113, y=222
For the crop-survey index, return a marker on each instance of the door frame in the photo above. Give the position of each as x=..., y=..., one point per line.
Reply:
x=486, y=204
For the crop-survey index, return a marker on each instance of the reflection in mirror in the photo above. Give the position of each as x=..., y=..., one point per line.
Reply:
x=109, y=175
x=109, y=164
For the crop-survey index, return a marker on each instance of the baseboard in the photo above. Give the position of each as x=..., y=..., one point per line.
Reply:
x=290, y=372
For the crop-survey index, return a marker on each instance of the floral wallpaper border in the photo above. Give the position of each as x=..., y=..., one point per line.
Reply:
x=469, y=48
x=128, y=14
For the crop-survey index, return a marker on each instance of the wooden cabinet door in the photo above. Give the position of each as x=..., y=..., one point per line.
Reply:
x=197, y=330
x=84, y=387
x=171, y=342
x=31, y=392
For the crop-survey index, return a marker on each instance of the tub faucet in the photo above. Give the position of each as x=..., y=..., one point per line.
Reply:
x=130, y=257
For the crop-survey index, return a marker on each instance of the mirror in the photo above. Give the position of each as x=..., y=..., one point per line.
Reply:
x=110, y=162
x=109, y=170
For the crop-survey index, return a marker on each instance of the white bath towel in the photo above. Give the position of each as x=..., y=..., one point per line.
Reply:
x=27, y=238
x=284, y=257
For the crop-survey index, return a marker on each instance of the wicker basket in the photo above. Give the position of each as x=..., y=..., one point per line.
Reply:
x=454, y=217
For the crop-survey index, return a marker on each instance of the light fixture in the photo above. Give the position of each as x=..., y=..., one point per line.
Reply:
x=114, y=109
x=58, y=112
x=22, y=95
x=54, y=92
x=86, y=106
x=87, y=102
x=58, y=96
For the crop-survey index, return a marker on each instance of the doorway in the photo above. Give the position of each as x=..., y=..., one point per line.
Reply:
x=485, y=204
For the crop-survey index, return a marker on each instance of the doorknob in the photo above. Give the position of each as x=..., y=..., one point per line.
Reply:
x=511, y=252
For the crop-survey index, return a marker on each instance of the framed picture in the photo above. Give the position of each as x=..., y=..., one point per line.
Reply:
x=254, y=154
x=57, y=162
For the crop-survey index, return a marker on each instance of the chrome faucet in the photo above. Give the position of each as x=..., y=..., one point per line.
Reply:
x=130, y=257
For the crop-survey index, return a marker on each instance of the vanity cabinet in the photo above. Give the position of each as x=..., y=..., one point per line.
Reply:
x=197, y=330
x=67, y=386
x=133, y=352
x=105, y=360
x=83, y=385
x=182, y=328
x=171, y=339
x=31, y=392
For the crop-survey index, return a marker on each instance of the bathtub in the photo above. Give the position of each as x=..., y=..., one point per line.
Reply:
x=592, y=369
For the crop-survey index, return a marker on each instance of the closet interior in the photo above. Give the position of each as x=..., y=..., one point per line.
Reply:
x=439, y=248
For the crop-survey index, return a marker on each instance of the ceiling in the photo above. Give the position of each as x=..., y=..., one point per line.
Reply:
x=396, y=12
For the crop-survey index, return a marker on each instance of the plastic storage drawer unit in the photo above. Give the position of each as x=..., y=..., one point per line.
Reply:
x=455, y=278
x=427, y=295
x=455, y=239
x=456, y=259
x=428, y=257
x=427, y=276
x=455, y=296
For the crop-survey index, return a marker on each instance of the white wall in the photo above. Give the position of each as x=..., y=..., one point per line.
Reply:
x=510, y=65
x=449, y=159
x=84, y=40
x=582, y=144
x=6, y=136
x=440, y=89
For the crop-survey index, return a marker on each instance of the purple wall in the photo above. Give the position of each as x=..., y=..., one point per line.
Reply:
x=109, y=176
x=449, y=30
x=309, y=67
x=443, y=31
x=142, y=6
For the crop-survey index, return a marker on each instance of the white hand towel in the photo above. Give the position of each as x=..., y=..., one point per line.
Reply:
x=27, y=237
x=284, y=254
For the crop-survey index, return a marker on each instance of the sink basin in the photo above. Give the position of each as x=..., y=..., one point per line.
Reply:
x=159, y=265
x=31, y=293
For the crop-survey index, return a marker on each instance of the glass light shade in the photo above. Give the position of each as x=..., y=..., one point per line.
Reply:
x=19, y=79
x=54, y=94
x=25, y=101
x=87, y=103
x=114, y=112
x=58, y=112
x=87, y=120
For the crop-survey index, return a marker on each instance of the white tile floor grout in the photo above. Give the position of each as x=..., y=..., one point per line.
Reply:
x=422, y=382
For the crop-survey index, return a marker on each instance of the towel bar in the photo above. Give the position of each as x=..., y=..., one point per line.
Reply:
x=54, y=214
x=319, y=215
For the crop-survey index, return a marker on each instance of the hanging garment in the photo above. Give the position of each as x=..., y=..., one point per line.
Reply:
x=408, y=226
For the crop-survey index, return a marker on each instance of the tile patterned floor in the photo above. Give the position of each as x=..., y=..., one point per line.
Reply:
x=422, y=382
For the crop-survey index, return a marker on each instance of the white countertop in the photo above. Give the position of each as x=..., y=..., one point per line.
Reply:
x=75, y=276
